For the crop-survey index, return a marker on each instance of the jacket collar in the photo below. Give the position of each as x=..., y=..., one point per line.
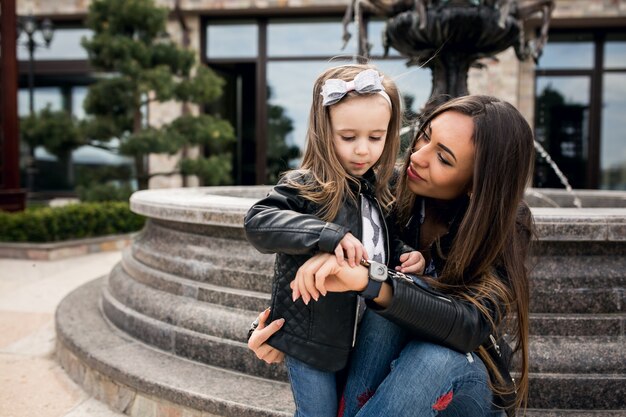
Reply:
x=365, y=184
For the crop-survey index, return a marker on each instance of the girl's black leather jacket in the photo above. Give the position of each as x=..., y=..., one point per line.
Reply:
x=321, y=333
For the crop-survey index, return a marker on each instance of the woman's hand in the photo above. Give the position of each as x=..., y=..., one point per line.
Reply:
x=412, y=263
x=257, y=340
x=323, y=273
x=351, y=249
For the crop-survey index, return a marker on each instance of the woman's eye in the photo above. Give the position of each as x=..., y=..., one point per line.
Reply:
x=443, y=160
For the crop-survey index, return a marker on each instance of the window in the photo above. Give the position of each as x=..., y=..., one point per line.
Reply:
x=65, y=45
x=232, y=40
x=580, y=99
x=268, y=90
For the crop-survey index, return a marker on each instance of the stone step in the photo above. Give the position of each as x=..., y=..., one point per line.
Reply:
x=214, y=249
x=202, y=332
x=542, y=324
x=126, y=372
x=533, y=412
x=553, y=324
x=201, y=291
x=592, y=271
x=578, y=392
x=578, y=355
x=238, y=273
x=576, y=387
x=579, y=301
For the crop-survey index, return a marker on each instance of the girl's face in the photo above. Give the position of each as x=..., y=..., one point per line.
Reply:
x=442, y=161
x=359, y=127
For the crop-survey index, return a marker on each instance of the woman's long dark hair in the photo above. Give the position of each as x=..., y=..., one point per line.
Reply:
x=487, y=259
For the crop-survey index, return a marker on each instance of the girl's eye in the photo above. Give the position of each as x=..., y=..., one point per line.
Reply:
x=348, y=138
x=376, y=138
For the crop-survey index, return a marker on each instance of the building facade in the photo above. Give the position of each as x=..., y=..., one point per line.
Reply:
x=270, y=51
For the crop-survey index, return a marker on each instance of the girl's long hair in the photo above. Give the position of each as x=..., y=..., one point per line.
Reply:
x=487, y=259
x=330, y=185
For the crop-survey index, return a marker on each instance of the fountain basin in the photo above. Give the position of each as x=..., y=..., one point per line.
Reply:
x=189, y=286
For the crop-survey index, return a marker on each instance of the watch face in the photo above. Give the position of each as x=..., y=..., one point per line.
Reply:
x=378, y=271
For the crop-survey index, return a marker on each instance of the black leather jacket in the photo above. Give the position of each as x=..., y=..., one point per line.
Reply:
x=428, y=314
x=322, y=333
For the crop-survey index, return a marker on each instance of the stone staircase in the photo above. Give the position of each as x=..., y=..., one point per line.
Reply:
x=168, y=326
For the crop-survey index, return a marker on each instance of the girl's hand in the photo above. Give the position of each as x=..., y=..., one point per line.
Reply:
x=323, y=273
x=412, y=263
x=351, y=249
x=257, y=340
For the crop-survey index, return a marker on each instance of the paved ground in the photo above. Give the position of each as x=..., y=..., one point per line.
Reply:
x=32, y=384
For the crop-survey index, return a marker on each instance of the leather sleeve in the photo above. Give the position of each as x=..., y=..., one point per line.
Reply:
x=281, y=223
x=397, y=247
x=435, y=317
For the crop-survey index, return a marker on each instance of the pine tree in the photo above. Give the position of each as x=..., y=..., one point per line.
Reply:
x=138, y=64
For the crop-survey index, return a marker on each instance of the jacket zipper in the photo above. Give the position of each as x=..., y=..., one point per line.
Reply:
x=356, y=306
x=384, y=225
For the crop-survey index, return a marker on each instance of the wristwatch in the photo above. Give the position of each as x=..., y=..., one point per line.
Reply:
x=377, y=275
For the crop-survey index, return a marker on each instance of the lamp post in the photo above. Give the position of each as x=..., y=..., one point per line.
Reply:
x=30, y=26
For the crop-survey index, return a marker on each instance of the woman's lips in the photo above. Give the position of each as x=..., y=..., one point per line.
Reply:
x=410, y=172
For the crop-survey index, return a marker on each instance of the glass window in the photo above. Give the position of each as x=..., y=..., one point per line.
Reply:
x=78, y=97
x=561, y=127
x=615, y=52
x=232, y=40
x=612, y=148
x=568, y=51
x=290, y=87
x=42, y=96
x=65, y=45
x=308, y=38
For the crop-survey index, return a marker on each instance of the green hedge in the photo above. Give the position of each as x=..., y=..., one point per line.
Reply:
x=74, y=221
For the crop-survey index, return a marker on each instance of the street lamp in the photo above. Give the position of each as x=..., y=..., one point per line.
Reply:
x=30, y=26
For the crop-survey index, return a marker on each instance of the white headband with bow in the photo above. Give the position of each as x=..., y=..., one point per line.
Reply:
x=365, y=82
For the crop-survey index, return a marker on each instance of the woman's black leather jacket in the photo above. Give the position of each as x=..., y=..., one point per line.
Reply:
x=321, y=333
x=431, y=315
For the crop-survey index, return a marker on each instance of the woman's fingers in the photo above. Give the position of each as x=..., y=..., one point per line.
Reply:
x=261, y=334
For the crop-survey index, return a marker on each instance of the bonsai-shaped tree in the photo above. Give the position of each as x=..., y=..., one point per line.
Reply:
x=139, y=65
x=58, y=132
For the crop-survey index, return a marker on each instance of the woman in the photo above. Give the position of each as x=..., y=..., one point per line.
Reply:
x=421, y=344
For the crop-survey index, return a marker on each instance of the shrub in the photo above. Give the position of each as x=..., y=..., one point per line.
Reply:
x=104, y=192
x=73, y=221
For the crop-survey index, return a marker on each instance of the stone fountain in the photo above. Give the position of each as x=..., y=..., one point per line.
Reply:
x=449, y=36
x=166, y=329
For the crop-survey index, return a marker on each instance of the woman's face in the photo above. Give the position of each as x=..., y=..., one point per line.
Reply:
x=442, y=161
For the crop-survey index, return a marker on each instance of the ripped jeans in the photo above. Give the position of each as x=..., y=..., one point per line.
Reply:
x=390, y=375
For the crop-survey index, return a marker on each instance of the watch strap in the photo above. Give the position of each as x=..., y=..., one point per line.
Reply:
x=372, y=290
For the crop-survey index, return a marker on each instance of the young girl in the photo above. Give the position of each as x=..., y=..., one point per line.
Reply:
x=339, y=195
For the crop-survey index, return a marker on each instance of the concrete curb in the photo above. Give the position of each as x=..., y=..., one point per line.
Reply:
x=65, y=249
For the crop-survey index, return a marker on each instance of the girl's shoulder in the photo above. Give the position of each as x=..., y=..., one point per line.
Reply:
x=298, y=178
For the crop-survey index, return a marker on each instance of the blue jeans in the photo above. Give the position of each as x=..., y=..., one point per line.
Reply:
x=314, y=391
x=390, y=375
